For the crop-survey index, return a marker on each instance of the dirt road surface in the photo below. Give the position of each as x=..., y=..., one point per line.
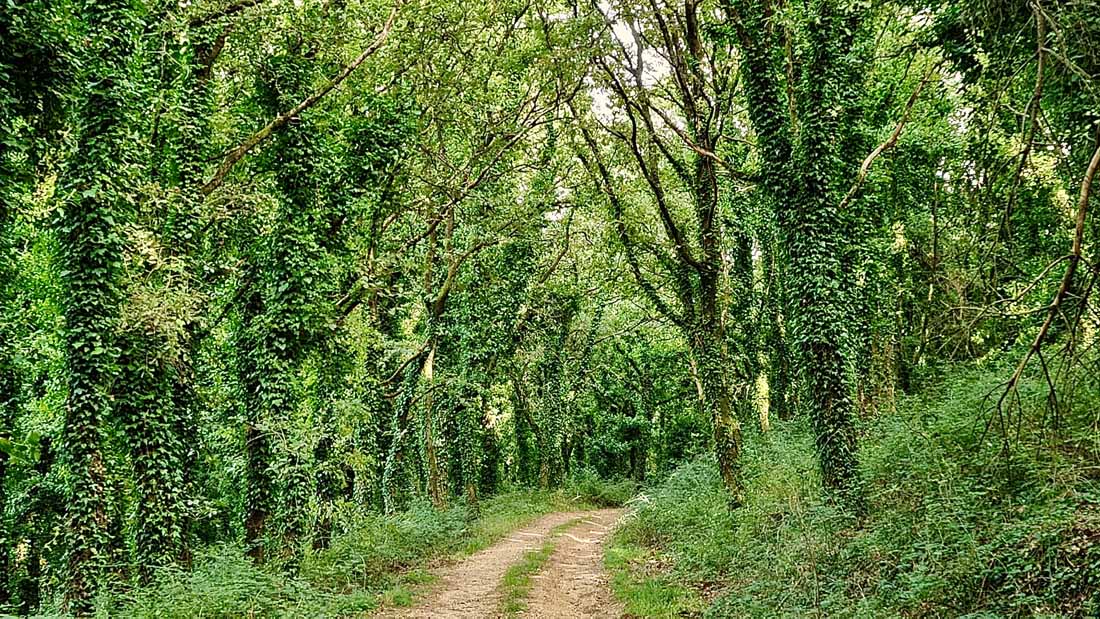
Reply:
x=572, y=584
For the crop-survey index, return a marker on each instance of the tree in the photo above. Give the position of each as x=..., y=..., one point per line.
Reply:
x=676, y=132
x=91, y=254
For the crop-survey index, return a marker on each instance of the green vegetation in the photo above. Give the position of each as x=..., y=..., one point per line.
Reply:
x=516, y=584
x=953, y=526
x=517, y=580
x=298, y=295
x=380, y=560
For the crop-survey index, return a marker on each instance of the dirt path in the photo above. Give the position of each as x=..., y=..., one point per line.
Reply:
x=470, y=589
x=573, y=584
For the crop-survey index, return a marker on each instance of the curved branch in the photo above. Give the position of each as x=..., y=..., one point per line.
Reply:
x=1067, y=279
x=890, y=142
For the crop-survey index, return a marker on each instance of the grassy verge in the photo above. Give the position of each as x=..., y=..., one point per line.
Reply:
x=955, y=527
x=644, y=586
x=376, y=560
x=516, y=584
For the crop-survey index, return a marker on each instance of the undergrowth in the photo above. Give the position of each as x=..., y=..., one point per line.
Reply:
x=955, y=526
x=377, y=560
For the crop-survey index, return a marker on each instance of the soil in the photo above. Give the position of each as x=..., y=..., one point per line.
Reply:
x=573, y=584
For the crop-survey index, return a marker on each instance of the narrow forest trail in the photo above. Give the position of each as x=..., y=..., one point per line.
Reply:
x=571, y=584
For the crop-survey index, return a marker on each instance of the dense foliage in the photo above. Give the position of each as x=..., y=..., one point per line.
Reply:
x=951, y=529
x=294, y=292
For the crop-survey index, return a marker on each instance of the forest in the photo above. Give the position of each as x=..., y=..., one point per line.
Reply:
x=549, y=308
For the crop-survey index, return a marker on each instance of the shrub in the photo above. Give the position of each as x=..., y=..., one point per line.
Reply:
x=587, y=486
x=955, y=526
x=376, y=557
x=225, y=584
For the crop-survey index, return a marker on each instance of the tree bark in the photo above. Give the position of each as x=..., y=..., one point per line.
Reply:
x=717, y=405
x=437, y=485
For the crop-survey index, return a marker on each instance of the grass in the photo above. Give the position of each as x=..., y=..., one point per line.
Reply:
x=955, y=527
x=644, y=590
x=409, y=584
x=516, y=585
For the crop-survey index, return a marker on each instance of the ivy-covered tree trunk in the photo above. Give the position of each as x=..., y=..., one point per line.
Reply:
x=395, y=468
x=437, y=483
x=43, y=510
x=719, y=408
x=259, y=478
x=470, y=446
x=329, y=456
x=811, y=225
x=7, y=421
x=281, y=316
x=144, y=403
x=816, y=244
x=780, y=383
x=154, y=392
x=90, y=256
x=552, y=412
x=8, y=388
x=330, y=482
x=722, y=398
x=779, y=370
x=525, y=431
x=185, y=235
x=295, y=484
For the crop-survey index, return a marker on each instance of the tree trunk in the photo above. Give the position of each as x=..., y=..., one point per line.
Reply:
x=393, y=470
x=797, y=183
x=718, y=406
x=293, y=505
x=145, y=409
x=7, y=423
x=816, y=237
x=258, y=491
x=524, y=429
x=332, y=479
x=91, y=261
x=437, y=485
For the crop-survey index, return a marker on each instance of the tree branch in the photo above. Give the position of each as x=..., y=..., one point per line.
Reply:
x=890, y=141
x=603, y=180
x=1067, y=279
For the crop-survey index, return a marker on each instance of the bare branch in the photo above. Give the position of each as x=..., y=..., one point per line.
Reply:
x=890, y=141
x=1067, y=279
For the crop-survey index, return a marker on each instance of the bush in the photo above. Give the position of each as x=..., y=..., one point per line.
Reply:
x=587, y=486
x=955, y=526
x=225, y=584
x=377, y=548
x=376, y=557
